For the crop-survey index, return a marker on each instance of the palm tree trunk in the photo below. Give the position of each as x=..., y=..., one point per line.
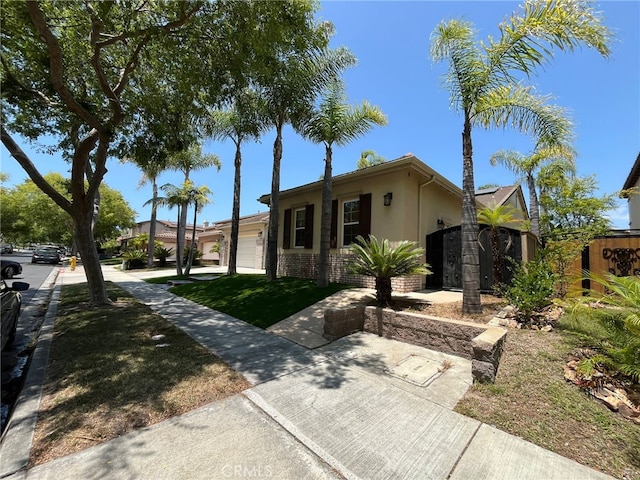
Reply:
x=470, y=249
x=383, y=291
x=235, y=214
x=193, y=240
x=272, y=238
x=179, y=244
x=152, y=226
x=325, y=225
x=534, y=206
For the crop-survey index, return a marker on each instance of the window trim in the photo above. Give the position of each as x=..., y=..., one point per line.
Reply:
x=342, y=222
x=294, y=223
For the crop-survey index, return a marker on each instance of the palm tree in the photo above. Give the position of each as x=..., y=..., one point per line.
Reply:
x=289, y=91
x=369, y=158
x=186, y=161
x=495, y=217
x=198, y=197
x=175, y=197
x=528, y=166
x=150, y=173
x=244, y=121
x=380, y=260
x=483, y=86
x=335, y=122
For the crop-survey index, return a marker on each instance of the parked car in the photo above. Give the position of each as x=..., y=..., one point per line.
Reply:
x=9, y=268
x=46, y=255
x=10, y=302
x=6, y=248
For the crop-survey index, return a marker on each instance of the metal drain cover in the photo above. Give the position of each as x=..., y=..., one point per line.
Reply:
x=416, y=369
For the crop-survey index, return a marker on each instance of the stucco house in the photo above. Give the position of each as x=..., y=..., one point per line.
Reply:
x=402, y=199
x=252, y=236
x=510, y=195
x=166, y=233
x=632, y=186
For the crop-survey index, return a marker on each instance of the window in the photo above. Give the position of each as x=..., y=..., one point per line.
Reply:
x=300, y=228
x=350, y=221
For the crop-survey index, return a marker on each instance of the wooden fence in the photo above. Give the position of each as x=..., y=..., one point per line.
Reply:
x=617, y=253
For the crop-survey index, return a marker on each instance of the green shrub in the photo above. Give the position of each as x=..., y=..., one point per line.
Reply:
x=162, y=253
x=531, y=288
x=610, y=323
x=134, y=259
x=197, y=256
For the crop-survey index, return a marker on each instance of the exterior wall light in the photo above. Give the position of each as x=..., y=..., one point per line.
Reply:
x=387, y=199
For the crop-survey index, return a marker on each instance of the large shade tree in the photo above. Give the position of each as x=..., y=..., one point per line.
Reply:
x=335, y=122
x=67, y=70
x=527, y=168
x=242, y=122
x=484, y=81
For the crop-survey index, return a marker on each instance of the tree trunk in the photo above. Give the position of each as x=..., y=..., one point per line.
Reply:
x=470, y=248
x=152, y=226
x=272, y=238
x=325, y=225
x=534, y=206
x=92, y=268
x=193, y=240
x=235, y=214
x=383, y=291
x=179, y=243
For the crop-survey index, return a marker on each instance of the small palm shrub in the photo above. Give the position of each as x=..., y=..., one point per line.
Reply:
x=531, y=288
x=380, y=260
x=134, y=259
x=162, y=253
x=197, y=257
x=609, y=322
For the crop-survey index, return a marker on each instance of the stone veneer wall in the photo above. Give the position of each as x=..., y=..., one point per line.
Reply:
x=482, y=344
x=305, y=265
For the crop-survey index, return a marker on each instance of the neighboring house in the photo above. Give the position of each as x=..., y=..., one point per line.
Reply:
x=252, y=234
x=632, y=188
x=166, y=233
x=402, y=199
x=511, y=196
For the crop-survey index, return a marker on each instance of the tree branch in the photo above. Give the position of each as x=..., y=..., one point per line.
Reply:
x=24, y=161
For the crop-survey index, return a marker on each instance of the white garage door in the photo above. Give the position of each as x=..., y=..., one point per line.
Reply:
x=246, y=252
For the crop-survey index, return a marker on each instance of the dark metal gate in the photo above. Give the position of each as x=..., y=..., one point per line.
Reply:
x=444, y=254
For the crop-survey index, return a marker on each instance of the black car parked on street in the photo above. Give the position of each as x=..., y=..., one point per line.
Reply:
x=10, y=304
x=9, y=268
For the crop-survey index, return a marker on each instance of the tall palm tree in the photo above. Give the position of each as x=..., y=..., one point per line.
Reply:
x=186, y=161
x=495, y=217
x=289, y=91
x=527, y=166
x=483, y=84
x=150, y=173
x=175, y=197
x=244, y=121
x=198, y=197
x=335, y=122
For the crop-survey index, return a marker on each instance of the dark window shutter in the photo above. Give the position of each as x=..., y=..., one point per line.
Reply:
x=308, y=226
x=286, y=238
x=365, y=215
x=334, y=224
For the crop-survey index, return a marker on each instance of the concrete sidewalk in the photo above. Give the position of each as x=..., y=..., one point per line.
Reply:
x=361, y=407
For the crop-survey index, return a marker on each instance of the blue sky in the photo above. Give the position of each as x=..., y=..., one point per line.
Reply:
x=394, y=71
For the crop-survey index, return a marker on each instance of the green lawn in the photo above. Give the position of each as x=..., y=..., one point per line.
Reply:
x=255, y=300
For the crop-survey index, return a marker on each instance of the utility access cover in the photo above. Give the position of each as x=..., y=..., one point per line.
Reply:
x=416, y=369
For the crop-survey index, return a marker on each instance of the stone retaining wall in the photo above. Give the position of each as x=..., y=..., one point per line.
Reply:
x=480, y=343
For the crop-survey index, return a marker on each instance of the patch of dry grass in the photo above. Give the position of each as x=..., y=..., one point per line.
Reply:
x=491, y=305
x=107, y=376
x=532, y=400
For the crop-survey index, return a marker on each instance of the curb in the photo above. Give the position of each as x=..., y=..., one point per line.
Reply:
x=18, y=435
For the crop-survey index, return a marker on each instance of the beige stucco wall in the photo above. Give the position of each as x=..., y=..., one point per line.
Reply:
x=416, y=206
x=634, y=208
